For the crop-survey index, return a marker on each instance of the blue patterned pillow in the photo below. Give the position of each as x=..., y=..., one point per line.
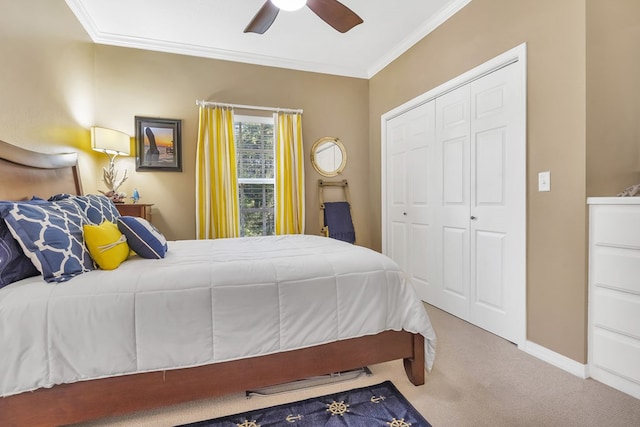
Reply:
x=143, y=237
x=57, y=197
x=50, y=235
x=96, y=207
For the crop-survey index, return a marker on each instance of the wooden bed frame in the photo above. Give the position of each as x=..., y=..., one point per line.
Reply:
x=24, y=174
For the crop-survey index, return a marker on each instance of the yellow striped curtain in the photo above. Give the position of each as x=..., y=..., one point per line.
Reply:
x=216, y=177
x=289, y=174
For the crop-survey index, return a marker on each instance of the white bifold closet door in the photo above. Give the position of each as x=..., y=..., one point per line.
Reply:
x=481, y=221
x=456, y=223
x=410, y=207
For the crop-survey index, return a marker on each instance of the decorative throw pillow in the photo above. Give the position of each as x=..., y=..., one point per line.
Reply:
x=14, y=264
x=60, y=196
x=107, y=245
x=50, y=234
x=96, y=207
x=143, y=237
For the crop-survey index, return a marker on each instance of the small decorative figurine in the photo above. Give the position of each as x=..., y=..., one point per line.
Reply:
x=114, y=196
x=136, y=195
x=632, y=191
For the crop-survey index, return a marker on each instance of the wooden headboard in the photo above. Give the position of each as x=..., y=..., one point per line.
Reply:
x=25, y=173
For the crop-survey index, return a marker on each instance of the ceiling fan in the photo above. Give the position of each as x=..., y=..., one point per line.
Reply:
x=332, y=12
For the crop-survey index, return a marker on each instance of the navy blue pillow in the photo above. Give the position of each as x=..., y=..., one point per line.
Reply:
x=145, y=240
x=14, y=264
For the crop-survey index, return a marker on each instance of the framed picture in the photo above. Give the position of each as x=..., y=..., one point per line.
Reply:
x=158, y=144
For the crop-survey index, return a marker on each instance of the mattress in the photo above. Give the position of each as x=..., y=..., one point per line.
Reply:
x=207, y=301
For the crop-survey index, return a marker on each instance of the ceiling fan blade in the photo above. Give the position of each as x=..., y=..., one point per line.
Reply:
x=263, y=19
x=335, y=14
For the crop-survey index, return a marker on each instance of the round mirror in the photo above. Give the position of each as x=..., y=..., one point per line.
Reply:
x=328, y=156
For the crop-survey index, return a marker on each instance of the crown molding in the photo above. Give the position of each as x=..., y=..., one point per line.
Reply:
x=364, y=72
x=438, y=19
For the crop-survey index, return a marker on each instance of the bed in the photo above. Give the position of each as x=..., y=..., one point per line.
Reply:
x=212, y=317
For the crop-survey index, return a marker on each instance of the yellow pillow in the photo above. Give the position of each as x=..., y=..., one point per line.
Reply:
x=107, y=245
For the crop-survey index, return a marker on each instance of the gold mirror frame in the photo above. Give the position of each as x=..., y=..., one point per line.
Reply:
x=326, y=162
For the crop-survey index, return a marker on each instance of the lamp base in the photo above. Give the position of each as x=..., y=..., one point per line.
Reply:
x=115, y=197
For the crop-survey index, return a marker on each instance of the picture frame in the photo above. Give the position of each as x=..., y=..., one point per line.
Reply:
x=158, y=144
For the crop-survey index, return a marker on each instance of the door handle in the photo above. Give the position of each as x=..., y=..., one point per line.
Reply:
x=404, y=213
x=473, y=218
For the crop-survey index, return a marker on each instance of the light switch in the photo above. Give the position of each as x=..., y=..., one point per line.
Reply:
x=544, y=181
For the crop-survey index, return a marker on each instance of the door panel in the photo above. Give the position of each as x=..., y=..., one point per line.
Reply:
x=498, y=205
x=490, y=177
x=489, y=274
x=452, y=191
x=420, y=238
x=454, y=248
x=396, y=193
x=454, y=175
x=398, y=243
x=419, y=207
x=410, y=150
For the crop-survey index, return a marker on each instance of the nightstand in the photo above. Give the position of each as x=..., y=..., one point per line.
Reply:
x=142, y=210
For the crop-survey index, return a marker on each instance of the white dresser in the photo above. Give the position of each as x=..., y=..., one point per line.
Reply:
x=614, y=292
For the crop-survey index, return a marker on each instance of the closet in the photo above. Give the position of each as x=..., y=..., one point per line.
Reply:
x=454, y=195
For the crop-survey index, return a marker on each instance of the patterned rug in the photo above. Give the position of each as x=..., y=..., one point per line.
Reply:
x=378, y=405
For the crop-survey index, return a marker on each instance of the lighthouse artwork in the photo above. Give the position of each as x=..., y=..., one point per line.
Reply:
x=158, y=144
x=153, y=154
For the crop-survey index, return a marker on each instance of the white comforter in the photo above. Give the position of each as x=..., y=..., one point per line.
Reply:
x=207, y=301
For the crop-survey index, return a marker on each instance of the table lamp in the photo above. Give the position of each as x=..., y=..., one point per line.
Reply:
x=113, y=143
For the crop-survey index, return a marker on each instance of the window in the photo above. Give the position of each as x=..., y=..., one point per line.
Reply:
x=256, y=176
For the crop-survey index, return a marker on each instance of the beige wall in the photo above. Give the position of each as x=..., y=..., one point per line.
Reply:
x=613, y=96
x=555, y=36
x=46, y=79
x=132, y=82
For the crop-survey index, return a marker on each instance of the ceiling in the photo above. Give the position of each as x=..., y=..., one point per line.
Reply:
x=296, y=40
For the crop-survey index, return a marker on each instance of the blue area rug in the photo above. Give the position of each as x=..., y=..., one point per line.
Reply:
x=378, y=405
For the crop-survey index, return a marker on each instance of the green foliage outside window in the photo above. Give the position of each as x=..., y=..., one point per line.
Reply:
x=255, y=163
x=257, y=210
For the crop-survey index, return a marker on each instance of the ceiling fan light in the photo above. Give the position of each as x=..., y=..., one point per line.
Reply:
x=289, y=5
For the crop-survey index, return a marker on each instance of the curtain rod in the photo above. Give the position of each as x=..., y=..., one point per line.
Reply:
x=247, y=107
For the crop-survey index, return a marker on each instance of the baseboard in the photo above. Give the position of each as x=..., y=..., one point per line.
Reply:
x=558, y=360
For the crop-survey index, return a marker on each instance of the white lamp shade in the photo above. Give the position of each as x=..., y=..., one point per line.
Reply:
x=289, y=5
x=110, y=141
